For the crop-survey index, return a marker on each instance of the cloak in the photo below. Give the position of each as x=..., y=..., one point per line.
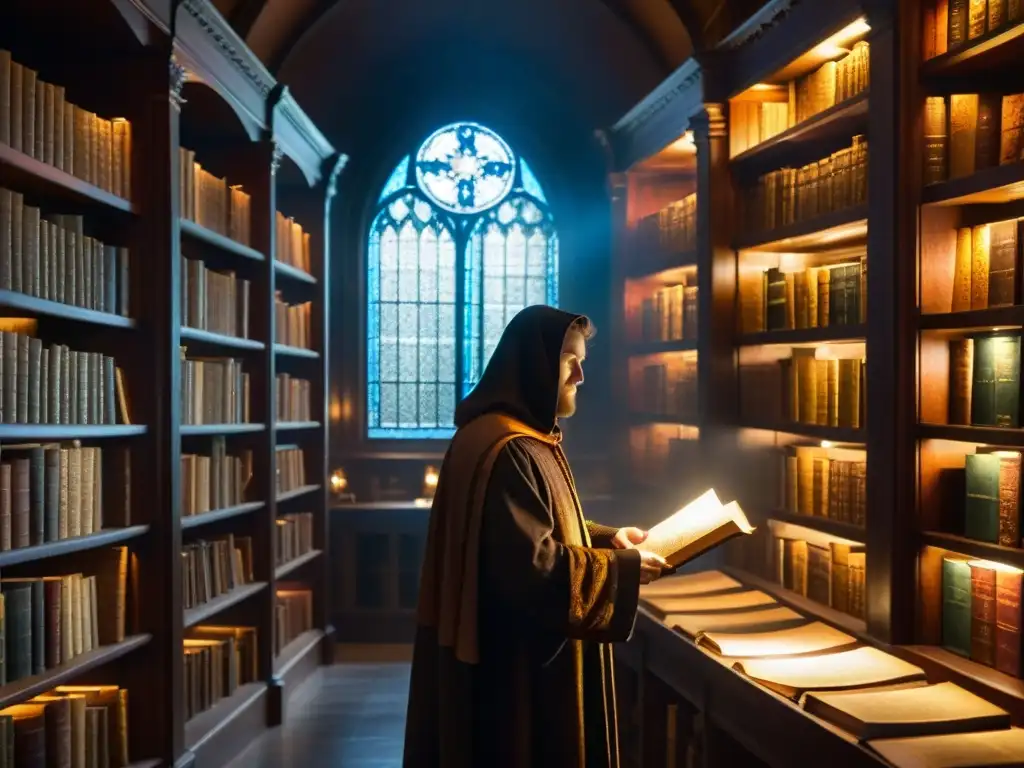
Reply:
x=519, y=594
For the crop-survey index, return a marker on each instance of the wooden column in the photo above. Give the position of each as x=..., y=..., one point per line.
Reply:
x=893, y=190
x=619, y=362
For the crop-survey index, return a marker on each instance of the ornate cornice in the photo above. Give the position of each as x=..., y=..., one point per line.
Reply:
x=177, y=77
x=211, y=22
x=709, y=122
x=683, y=80
x=757, y=25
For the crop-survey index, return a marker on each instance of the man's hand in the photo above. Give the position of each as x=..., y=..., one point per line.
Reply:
x=628, y=538
x=651, y=566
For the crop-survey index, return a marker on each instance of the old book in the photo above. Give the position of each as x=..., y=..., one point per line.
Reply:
x=995, y=390
x=813, y=637
x=963, y=129
x=763, y=620
x=1012, y=120
x=992, y=508
x=983, y=612
x=863, y=667
x=701, y=525
x=682, y=585
x=987, y=141
x=1008, y=620
x=980, y=258
x=922, y=711
x=959, y=750
x=936, y=140
x=725, y=601
x=961, y=384
x=1004, y=264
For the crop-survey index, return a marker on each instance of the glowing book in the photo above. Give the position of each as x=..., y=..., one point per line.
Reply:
x=955, y=750
x=725, y=601
x=863, y=667
x=701, y=525
x=926, y=711
x=702, y=583
x=814, y=637
x=764, y=620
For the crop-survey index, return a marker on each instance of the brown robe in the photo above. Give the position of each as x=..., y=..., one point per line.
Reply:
x=510, y=667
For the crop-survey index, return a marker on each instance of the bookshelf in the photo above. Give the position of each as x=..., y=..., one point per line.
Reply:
x=930, y=221
x=175, y=346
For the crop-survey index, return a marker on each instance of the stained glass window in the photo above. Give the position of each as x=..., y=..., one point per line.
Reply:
x=477, y=213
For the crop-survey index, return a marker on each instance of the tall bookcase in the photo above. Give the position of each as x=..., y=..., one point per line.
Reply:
x=171, y=197
x=856, y=144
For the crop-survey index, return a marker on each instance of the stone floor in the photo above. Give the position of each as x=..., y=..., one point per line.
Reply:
x=353, y=717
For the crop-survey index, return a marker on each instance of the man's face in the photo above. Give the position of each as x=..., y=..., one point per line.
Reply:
x=570, y=372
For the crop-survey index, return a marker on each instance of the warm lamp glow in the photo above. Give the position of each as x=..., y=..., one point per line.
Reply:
x=994, y=566
x=827, y=444
x=335, y=408
x=339, y=482
x=429, y=482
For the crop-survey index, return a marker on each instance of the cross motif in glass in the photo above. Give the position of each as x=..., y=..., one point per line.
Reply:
x=465, y=168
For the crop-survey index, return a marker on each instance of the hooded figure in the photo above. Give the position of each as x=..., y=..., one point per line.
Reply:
x=519, y=594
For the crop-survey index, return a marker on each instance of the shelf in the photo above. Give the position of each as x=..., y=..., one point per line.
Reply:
x=291, y=426
x=201, y=234
x=296, y=492
x=822, y=524
x=846, y=119
x=293, y=565
x=638, y=417
x=800, y=603
x=190, y=430
x=821, y=233
x=31, y=173
x=203, y=612
x=51, y=549
x=987, y=682
x=973, y=320
x=290, y=351
x=63, y=674
x=219, y=339
x=986, y=55
x=816, y=431
x=47, y=432
x=658, y=264
x=296, y=650
x=982, y=550
x=33, y=305
x=966, y=434
x=214, y=516
x=999, y=184
x=206, y=725
x=661, y=347
x=293, y=273
x=804, y=336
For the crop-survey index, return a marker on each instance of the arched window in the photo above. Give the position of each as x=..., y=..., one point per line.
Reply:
x=461, y=241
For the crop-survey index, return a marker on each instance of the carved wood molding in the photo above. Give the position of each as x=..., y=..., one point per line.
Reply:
x=709, y=122
x=757, y=25
x=229, y=43
x=683, y=80
x=299, y=138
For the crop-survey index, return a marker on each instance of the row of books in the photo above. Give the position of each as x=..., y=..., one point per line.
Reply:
x=293, y=537
x=991, y=510
x=213, y=300
x=673, y=229
x=829, y=483
x=292, y=323
x=37, y=119
x=215, y=567
x=49, y=256
x=814, y=297
x=791, y=195
x=211, y=202
x=656, y=451
x=831, y=574
x=52, y=384
x=984, y=380
x=72, y=725
x=294, y=398
x=291, y=468
x=51, y=620
x=216, y=481
x=56, y=491
x=950, y=25
x=292, y=246
x=214, y=391
x=985, y=272
x=293, y=615
x=779, y=108
x=670, y=314
x=218, y=660
x=879, y=699
x=981, y=131
x=667, y=388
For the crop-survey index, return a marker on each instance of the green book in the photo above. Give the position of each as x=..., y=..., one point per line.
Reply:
x=956, y=605
x=995, y=395
x=981, y=510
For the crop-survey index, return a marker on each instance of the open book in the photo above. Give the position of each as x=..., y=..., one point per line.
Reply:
x=741, y=600
x=814, y=637
x=701, y=583
x=926, y=711
x=701, y=525
x=766, y=620
x=957, y=750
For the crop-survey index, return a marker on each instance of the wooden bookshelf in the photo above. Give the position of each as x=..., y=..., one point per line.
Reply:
x=198, y=242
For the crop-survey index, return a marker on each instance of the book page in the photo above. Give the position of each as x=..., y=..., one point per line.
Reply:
x=726, y=601
x=957, y=750
x=692, y=624
x=857, y=668
x=809, y=638
x=675, y=537
x=704, y=582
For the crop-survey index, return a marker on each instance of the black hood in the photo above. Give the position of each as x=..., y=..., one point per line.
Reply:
x=521, y=378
